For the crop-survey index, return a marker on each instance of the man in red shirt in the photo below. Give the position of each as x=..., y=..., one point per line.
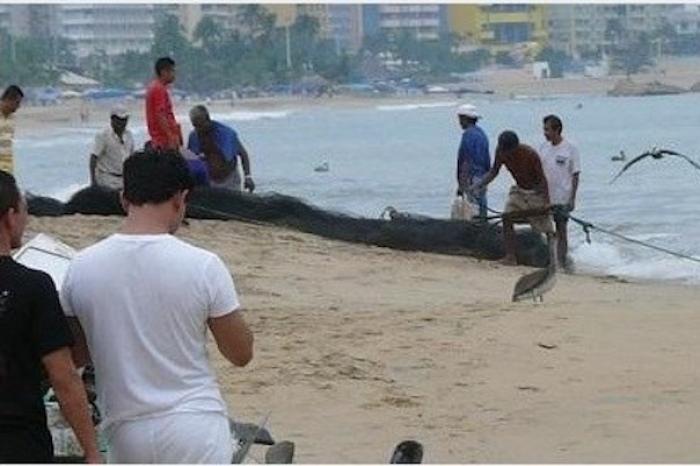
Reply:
x=162, y=127
x=528, y=198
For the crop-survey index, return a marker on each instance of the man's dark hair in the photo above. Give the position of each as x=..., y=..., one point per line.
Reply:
x=153, y=177
x=507, y=141
x=13, y=92
x=555, y=121
x=9, y=193
x=164, y=63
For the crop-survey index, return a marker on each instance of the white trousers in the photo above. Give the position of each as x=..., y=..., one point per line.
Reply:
x=203, y=438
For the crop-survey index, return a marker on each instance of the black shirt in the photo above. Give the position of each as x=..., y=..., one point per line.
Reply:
x=32, y=325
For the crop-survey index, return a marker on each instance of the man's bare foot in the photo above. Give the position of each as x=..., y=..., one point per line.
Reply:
x=509, y=260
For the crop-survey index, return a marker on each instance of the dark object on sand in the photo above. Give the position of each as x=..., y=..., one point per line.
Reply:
x=407, y=452
x=280, y=453
x=411, y=234
x=656, y=154
x=41, y=206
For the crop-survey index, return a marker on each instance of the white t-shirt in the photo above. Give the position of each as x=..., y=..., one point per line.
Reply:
x=559, y=163
x=111, y=153
x=143, y=302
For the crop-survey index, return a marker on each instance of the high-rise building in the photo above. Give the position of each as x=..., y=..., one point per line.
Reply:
x=110, y=28
x=581, y=29
x=684, y=19
x=190, y=14
x=345, y=24
x=577, y=29
x=499, y=26
x=424, y=21
x=24, y=20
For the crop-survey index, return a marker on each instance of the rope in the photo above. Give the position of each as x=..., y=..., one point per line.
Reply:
x=588, y=226
x=225, y=215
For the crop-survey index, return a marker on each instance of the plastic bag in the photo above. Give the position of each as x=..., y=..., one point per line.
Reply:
x=462, y=209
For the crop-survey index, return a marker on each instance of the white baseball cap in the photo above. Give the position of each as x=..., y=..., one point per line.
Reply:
x=119, y=111
x=468, y=110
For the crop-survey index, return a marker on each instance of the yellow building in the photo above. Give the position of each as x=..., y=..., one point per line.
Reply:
x=498, y=27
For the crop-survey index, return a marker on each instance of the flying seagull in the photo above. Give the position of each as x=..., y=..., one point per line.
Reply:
x=657, y=154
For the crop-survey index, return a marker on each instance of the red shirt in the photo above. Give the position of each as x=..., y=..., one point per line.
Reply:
x=158, y=103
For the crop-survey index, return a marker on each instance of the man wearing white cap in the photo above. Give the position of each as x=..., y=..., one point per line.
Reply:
x=112, y=146
x=473, y=161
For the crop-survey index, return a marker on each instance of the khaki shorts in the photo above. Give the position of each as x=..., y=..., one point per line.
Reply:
x=525, y=199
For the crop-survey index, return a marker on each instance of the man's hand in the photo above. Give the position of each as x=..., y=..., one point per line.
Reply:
x=249, y=184
x=94, y=459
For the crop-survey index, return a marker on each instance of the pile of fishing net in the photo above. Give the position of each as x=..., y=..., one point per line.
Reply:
x=408, y=233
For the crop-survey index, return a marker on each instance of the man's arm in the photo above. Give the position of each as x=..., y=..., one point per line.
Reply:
x=93, y=166
x=79, y=350
x=490, y=176
x=574, y=190
x=97, y=150
x=245, y=162
x=233, y=337
x=162, y=119
x=71, y=396
x=544, y=186
x=462, y=169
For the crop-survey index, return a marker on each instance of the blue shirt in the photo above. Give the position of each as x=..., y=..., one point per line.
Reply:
x=225, y=138
x=474, y=148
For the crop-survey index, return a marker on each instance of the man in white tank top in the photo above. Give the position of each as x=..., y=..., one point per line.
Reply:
x=142, y=300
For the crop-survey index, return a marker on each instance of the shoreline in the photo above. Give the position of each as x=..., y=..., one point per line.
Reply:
x=507, y=84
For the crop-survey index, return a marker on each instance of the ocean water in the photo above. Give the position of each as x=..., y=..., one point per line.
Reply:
x=404, y=155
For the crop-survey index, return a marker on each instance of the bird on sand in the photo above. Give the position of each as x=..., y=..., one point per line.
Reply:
x=407, y=452
x=656, y=154
x=534, y=285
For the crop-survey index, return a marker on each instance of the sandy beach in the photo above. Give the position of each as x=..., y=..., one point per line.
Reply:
x=360, y=347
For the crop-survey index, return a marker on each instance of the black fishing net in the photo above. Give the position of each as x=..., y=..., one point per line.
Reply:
x=410, y=234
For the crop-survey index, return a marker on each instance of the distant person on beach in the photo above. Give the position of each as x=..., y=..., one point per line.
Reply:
x=163, y=129
x=220, y=148
x=473, y=161
x=112, y=146
x=562, y=165
x=9, y=103
x=84, y=111
x=34, y=339
x=141, y=302
x=529, y=195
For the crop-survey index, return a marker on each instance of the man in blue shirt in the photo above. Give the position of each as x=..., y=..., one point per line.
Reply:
x=473, y=161
x=219, y=147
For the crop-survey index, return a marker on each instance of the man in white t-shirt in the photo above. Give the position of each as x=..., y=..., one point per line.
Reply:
x=142, y=300
x=561, y=165
x=112, y=146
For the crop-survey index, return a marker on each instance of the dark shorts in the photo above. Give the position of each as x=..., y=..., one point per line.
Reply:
x=25, y=444
x=560, y=213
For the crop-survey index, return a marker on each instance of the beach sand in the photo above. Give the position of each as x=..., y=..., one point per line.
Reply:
x=358, y=348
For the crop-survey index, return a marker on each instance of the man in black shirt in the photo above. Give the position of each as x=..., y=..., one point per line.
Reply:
x=33, y=334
